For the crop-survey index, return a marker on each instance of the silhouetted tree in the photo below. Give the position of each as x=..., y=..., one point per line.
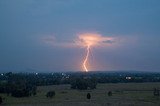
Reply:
x=1, y=100
x=73, y=84
x=110, y=93
x=34, y=90
x=8, y=88
x=83, y=84
x=156, y=92
x=20, y=93
x=50, y=94
x=2, y=88
x=88, y=96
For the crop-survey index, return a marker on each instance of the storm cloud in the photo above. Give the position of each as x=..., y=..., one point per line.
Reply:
x=29, y=27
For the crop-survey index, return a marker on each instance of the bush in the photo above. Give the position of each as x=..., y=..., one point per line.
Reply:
x=34, y=90
x=20, y=93
x=1, y=100
x=88, y=96
x=50, y=94
x=110, y=93
x=83, y=84
x=156, y=92
x=34, y=93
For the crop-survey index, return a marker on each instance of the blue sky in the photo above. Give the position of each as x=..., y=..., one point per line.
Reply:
x=26, y=24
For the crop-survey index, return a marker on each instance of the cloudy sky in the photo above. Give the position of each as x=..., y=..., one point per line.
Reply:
x=39, y=35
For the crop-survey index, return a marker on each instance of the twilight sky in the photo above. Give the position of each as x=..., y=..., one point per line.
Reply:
x=41, y=35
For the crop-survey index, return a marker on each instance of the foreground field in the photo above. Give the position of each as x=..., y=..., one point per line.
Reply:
x=124, y=94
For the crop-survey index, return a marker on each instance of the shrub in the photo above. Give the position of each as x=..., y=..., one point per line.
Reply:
x=34, y=90
x=50, y=94
x=110, y=93
x=83, y=84
x=88, y=96
x=1, y=100
x=20, y=93
x=156, y=92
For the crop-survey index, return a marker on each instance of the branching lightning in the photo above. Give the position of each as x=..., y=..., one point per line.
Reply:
x=86, y=59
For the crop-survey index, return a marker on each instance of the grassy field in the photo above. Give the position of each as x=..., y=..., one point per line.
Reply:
x=124, y=94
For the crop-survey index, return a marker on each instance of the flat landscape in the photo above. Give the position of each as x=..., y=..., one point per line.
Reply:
x=124, y=94
x=79, y=52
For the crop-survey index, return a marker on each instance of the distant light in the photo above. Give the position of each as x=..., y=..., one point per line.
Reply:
x=128, y=78
x=36, y=73
x=63, y=74
x=2, y=74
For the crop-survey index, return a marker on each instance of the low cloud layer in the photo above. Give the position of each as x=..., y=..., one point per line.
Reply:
x=81, y=40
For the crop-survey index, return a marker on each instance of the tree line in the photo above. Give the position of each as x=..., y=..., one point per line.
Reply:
x=25, y=84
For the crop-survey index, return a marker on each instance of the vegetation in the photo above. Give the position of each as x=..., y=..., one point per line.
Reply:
x=17, y=85
x=1, y=100
x=156, y=92
x=110, y=93
x=88, y=96
x=50, y=94
x=83, y=84
x=25, y=86
x=125, y=94
x=41, y=79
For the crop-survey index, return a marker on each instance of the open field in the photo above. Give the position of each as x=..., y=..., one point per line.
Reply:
x=124, y=94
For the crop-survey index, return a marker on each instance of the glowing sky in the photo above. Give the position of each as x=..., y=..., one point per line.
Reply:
x=50, y=35
x=89, y=40
x=93, y=39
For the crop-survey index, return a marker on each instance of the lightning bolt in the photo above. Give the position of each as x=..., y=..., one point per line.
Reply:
x=86, y=59
x=91, y=39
